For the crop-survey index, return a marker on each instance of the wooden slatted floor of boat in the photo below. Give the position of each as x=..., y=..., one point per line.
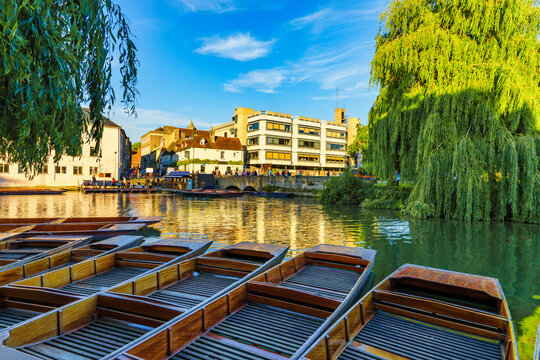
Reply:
x=103, y=280
x=415, y=340
x=93, y=341
x=269, y=328
x=194, y=290
x=12, y=316
x=323, y=278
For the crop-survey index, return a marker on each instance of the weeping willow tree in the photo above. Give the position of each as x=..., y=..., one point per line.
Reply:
x=54, y=56
x=459, y=107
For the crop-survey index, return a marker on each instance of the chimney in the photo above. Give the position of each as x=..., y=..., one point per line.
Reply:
x=212, y=135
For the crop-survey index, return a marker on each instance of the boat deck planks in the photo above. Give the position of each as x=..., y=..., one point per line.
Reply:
x=92, y=341
x=11, y=316
x=102, y=281
x=417, y=340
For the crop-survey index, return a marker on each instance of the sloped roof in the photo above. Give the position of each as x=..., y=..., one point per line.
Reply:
x=107, y=121
x=221, y=143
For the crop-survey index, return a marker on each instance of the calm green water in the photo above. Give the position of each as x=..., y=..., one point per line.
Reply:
x=507, y=251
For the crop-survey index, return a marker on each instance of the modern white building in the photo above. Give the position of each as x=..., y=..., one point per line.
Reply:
x=207, y=153
x=113, y=160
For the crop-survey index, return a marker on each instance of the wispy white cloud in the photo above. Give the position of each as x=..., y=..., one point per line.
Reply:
x=217, y=6
x=223, y=6
x=241, y=47
x=259, y=80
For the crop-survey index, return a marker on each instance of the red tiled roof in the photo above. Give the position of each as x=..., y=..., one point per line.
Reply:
x=221, y=143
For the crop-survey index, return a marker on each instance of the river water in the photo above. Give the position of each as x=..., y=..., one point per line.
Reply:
x=507, y=251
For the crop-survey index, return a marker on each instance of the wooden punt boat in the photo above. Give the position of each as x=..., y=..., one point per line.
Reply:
x=98, y=231
x=193, y=283
x=148, y=220
x=91, y=328
x=22, y=250
x=100, y=273
x=31, y=191
x=210, y=193
x=39, y=264
x=423, y=313
x=18, y=304
x=271, y=317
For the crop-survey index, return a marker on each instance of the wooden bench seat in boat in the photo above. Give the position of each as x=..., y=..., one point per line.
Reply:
x=97, y=231
x=18, y=305
x=423, y=313
x=98, y=274
x=91, y=328
x=264, y=319
x=197, y=281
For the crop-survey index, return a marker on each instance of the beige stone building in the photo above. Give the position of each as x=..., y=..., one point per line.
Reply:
x=291, y=142
x=113, y=160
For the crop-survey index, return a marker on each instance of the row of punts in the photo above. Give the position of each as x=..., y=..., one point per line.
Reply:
x=126, y=299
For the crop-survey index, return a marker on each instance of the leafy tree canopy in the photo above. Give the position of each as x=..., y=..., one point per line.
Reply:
x=459, y=106
x=55, y=56
x=135, y=146
x=360, y=142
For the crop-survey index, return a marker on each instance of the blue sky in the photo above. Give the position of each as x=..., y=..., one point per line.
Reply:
x=200, y=59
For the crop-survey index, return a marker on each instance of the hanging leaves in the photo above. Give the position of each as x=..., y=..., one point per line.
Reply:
x=459, y=107
x=54, y=56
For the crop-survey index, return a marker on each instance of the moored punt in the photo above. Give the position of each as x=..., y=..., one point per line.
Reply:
x=66, y=257
x=91, y=328
x=22, y=250
x=100, y=273
x=193, y=283
x=210, y=193
x=19, y=304
x=423, y=313
x=98, y=231
x=32, y=191
x=274, y=316
x=148, y=220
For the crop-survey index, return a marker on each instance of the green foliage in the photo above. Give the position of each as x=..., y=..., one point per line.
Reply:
x=346, y=189
x=527, y=338
x=388, y=197
x=360, y=142
x=55, y=56
x=459, y=107
x=135, y=146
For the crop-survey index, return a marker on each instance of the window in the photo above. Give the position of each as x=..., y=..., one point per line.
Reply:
x=186, y=154
x=43, y=170
x=253, y=126
x=333, y=159
x=93, y=170
x=253, y=141
x=223, y=155
x=278, y=127
x=308, y=144
x=4, y=168
x=77, y=170
x=307, y=157
x=278, y=141
x=335, y=134
x=60, y=169
x=338, y=147
x=107, y=174
x=309, y=131
x=20, y=170
x=93, y=151
x=253, y=155
x=278, y=156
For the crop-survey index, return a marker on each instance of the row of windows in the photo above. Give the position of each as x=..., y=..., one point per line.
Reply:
x=335, y=146
x=77, y=170
x=309, y=131
x=278, y=127
x=309, y=144
x=253, y=141
x=253, y=127
x=301, y=129
x=301, y=143
x=287, y=156
x=336, y=134
x=278, y=141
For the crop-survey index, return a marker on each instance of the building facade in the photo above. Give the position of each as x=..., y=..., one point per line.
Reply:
x=292, y=142
x=206, y=153
x=112, y=160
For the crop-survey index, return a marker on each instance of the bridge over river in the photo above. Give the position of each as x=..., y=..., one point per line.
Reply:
x=259, y=183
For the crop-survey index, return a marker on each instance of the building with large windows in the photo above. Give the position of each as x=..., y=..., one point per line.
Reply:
x=112, y=160
x=291, y=142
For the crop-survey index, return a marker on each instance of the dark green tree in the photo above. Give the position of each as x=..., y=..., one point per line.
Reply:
x=459, y=106
x=360, y=142
x=54, y=56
